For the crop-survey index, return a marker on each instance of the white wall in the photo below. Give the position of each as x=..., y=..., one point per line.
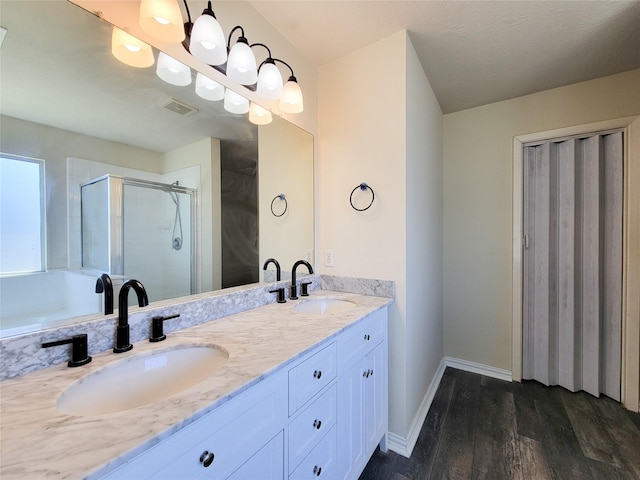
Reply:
x=372, y=130
x=478, y=204
x=424, y=236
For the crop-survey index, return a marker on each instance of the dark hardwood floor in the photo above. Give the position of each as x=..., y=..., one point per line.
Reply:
x=482, y=428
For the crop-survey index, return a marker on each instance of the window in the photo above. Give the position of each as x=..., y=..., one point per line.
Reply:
x=22, y=214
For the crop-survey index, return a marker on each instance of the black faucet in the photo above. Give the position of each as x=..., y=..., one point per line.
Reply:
x=293, y=290
x=122, y=330
x=275, y=262
x=104, y=285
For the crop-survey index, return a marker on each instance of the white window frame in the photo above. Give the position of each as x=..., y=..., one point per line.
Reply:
x=43, y=213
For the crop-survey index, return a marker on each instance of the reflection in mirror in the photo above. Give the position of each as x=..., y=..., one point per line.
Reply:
x=67, y=101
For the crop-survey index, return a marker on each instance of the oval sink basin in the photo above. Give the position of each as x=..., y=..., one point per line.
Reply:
x=324, y=306
x=141, y=380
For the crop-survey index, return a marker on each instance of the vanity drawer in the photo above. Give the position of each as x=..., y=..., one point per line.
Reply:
x=306, y=430
x=321, y=462
x=232, y=433
x=311, y=376
x=360, y=339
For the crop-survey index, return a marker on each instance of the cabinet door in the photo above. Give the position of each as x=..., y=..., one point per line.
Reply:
x=351, y=426
x=375, y=392
x=266, y=464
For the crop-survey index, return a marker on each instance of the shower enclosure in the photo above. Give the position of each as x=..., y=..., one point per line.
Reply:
x=143, y=230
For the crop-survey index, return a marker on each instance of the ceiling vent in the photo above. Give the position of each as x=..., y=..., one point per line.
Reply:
x=180, y=108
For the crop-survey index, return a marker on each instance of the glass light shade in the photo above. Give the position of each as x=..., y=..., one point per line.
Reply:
x=259, y=115
x=130, y=50
x=241, y=64
x=235, y=103
x=172, y=71
x=207, y=41
x=208, y=89
x=291, y=101
x=162, y=19
x=270, y=82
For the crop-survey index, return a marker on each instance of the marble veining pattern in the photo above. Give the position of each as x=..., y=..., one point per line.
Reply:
x=39, y=442
x=363, y=286
x=22, y=354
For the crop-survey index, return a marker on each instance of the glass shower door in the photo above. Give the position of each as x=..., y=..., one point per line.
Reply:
x=157, y=239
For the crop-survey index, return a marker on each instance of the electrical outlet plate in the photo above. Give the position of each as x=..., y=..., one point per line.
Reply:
x=328, y=258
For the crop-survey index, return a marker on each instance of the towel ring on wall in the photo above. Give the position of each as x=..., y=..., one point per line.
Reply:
x=363, y=186
x=284, y=199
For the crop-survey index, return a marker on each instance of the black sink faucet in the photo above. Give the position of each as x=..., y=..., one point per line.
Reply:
x=275, y=262
x=293, y=290
x=122, y=330
x=104, y=285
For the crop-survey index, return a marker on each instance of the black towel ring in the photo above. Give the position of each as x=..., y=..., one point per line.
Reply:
x=363, y=186
x=284, y=199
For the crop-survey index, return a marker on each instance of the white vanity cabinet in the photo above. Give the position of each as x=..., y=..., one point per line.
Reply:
x=322, y=416
x=362, y=393
x=219, y=443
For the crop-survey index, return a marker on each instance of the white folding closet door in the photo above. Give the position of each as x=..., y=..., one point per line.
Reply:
x=572, y=293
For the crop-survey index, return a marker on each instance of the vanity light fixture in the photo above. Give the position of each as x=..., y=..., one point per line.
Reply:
x=207, y=41
x=259, y=115
x=235, y=103
x=269, y=77
x=162, y=19
x=172, y=71
x=291, y=100
x=204, y=39
x=208, y=89
x=241, y=63
x=130, y=50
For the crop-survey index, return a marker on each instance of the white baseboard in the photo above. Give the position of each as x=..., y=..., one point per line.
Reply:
x=404, y=445
x=473, y=367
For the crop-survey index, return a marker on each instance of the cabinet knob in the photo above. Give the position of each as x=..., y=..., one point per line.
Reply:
x=317, y=470
x=206, y=458
x=317, y=424
x=317, y=374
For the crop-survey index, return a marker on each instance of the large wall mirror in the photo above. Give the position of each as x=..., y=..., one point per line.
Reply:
x=142, y=179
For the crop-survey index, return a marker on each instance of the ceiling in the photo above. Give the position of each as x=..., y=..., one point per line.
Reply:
x=474, y=52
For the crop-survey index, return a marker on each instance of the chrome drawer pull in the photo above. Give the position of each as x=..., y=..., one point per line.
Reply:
x=317, y=374
x=317, y=470
x=317, y=424
x=206, y=458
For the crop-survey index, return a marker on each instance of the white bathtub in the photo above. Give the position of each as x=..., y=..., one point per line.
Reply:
x=40, y=300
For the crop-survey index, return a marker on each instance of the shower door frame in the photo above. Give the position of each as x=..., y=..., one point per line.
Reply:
x=115, y=213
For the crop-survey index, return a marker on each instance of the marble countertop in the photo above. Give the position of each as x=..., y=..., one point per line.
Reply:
x=37, y=441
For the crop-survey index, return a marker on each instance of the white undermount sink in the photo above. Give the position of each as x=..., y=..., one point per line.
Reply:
x=324, y=306
x=141, y=380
